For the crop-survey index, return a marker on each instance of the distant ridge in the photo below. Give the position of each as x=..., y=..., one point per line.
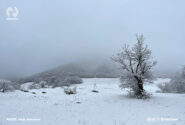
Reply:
x=82, y=70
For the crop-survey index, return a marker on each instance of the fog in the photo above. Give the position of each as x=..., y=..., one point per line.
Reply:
x=50, y=33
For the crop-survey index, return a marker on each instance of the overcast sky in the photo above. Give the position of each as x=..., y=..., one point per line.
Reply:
x=53, y=32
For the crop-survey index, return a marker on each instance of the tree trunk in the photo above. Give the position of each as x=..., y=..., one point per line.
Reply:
x=140, y=88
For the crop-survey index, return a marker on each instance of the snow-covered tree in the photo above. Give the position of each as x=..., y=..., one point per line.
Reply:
x=6, y=85
x=176, y=85
x=43, y=84
x=136, y=64
x=70, y=90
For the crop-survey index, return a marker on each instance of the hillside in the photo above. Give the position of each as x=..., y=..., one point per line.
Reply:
x=82, y=70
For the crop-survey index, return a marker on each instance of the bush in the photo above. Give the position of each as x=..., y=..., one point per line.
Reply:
x=34, y=86
x=164, y=87
x=70, y=90
x=176, y=85
x=6, y=85
x=43, y=84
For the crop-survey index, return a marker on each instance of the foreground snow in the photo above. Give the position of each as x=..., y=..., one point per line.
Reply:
x=108, y=107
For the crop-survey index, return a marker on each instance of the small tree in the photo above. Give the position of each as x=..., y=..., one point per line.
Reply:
x=136, y=64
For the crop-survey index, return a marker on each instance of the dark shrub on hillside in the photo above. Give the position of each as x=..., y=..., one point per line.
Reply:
x=73, y=80
x=47, y=79
x=66, y=81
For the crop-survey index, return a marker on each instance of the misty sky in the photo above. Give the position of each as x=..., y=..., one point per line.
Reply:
x=54, y=32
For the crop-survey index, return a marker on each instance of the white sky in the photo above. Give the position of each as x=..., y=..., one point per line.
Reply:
x=53, y=32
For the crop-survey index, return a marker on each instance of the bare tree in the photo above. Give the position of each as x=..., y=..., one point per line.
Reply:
x=136, y=64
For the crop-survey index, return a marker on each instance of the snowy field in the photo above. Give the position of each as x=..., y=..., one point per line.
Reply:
x=108, y=107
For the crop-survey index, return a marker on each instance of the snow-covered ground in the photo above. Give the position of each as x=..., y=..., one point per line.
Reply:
x=108, y=107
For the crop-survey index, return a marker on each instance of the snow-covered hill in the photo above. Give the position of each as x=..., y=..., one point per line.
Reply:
x=108, y=107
